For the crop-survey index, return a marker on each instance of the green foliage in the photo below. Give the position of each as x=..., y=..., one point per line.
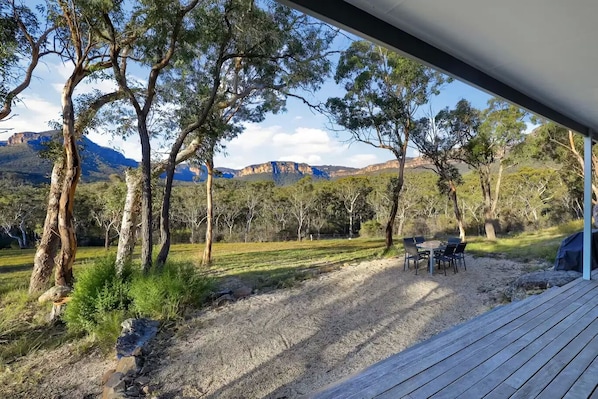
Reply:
x=101, y=300
x=165, y=293
x=371, y=229
x=97, y=291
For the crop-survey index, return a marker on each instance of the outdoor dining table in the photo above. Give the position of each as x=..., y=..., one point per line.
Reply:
x=432, y=245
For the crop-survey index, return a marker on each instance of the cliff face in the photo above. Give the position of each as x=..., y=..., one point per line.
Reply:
x=26, y=137
x=282, y=168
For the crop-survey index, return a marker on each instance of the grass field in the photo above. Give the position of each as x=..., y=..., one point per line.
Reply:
x=261, y=265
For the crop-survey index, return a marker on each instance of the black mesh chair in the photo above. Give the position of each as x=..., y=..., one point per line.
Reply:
x=459, y=255
x=412, y=254
x=419, y=239
x=454, y=240
x=447, y=256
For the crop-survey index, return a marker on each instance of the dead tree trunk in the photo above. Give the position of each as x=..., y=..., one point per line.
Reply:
x=43, y=262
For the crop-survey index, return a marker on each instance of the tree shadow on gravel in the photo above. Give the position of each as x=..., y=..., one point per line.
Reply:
x=335, y=337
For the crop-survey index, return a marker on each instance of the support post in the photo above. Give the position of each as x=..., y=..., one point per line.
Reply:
x=587, y=207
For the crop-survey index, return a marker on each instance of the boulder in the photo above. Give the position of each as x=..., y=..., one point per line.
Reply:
x=242, y=292
x=136, y=333
x=55, y=294
x=536, y=282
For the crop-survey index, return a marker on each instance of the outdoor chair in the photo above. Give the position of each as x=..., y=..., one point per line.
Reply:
x=412, y=253
x=447, y=256
x=454, y=240
x=419, y=239
x=459, y=255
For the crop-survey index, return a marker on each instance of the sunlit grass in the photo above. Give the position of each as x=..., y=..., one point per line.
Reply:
x=542, y=244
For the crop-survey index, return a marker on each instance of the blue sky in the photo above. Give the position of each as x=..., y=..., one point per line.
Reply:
x=298, y=135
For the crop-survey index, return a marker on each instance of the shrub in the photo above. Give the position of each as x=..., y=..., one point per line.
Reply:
x=371, y=229
x=97, y=292
x=165, y=293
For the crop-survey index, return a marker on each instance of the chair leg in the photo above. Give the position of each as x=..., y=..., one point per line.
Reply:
x=464, y=265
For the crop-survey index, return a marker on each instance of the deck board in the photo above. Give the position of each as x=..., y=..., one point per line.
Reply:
x=542, y=345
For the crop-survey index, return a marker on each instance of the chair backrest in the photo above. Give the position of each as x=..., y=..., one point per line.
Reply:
x=449, y=249
x=454, y=240
x=460, y=248
x=408, y=240
x=419, y=239
x=411, y=249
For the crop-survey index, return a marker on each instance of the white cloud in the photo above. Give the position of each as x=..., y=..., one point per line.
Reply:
x=31, y=114
x=312, y=159
x=362, y=160
x=254, y=136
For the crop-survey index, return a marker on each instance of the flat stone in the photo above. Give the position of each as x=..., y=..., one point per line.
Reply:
x=135, y=334
x=128, y=365
x=546, y=278
x=143, y=380
x=536, y=282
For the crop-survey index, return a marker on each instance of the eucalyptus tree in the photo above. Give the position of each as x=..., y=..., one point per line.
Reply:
x=253, y=195
x=246, y=60
x=301, y=199
x=437, y=138
x=383, y=92
x=190, y=208
x=84, y=51
x=563, y=148
x=352, y=192
x=502, y=128
x=146, y=34
x=25, y=36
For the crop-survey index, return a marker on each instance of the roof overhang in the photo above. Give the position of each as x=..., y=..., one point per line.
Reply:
x=539, y=55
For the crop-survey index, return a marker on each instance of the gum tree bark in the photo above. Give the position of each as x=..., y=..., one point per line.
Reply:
x=126, y=239
x=43, y=262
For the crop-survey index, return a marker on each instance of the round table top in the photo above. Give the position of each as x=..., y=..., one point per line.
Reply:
x=432, y=244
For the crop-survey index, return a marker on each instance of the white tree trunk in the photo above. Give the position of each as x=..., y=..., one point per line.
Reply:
x=126, y=240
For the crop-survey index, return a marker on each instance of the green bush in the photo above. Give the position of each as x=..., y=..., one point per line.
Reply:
x=165, y=293
x=371, y=229
x=98, y=291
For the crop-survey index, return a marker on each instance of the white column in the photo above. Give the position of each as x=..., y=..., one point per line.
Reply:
x=587, y=207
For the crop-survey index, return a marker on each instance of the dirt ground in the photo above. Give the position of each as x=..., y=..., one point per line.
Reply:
x=290, y=342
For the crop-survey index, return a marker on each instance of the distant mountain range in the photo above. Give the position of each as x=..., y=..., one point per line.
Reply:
x=20, y=159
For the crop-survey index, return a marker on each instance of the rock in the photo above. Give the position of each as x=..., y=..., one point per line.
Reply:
x=546, y=279
x=128, y=365
x=223, y=300
x=107, y=376
x=132, y=391
x=55, y=294
x=136, y=334
x=535, y=282
x=143, y=380
x=242, y=292
x=114, y=387
x=146, y=390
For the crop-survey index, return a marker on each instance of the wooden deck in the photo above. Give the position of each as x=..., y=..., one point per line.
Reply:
x=545, y=346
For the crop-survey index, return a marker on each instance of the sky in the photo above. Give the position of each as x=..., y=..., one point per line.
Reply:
x=299, y=134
